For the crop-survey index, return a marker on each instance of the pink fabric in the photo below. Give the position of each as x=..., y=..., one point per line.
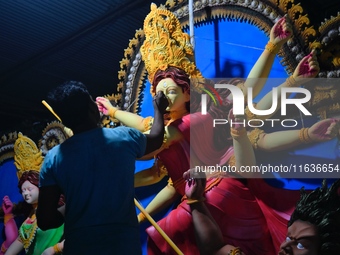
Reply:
x=277, y=205
x=202, y=140
x=251, y=216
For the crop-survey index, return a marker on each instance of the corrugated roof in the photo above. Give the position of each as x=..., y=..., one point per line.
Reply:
x=44, y=43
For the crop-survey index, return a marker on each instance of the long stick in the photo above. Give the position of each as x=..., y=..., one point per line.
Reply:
x=50, y=109
x=158, y=228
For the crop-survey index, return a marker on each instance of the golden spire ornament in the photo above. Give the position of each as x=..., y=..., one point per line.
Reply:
x=27, y=155
x=166, y=45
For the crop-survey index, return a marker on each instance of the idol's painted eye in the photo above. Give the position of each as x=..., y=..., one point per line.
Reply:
x=172, y=91
x=300, y=246
x=288, y=239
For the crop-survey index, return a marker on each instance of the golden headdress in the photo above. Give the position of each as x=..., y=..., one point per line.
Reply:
x=27, y=155
x=166, y=45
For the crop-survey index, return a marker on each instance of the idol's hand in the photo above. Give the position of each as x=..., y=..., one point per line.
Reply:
x=281, y=32
x=105, y=106
x=237, y=125
x=237, y=122
x=324, y=130
x=7, y=205
x=195, y=184
x=307, y=68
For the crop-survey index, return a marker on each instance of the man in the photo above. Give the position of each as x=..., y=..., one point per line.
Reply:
x=94, y=169
x=313, y=229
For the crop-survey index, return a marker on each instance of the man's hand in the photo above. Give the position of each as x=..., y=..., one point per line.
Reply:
x=160, y=102
x=156, y=135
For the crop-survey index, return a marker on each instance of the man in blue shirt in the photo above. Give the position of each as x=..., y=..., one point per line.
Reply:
x=94, y=169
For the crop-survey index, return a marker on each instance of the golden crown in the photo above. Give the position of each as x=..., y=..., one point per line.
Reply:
x=27, y=155
x=166, y=45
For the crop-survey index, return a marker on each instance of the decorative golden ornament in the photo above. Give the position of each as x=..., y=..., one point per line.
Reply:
x=54, y=133
x=27, y=155
x=7, y=146
x=166, y=45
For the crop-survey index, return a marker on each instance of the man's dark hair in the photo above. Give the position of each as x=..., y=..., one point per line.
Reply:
x=70, y=101
x=321, y=208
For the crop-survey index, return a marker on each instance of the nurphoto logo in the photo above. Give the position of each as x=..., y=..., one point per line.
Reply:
x=239, y=105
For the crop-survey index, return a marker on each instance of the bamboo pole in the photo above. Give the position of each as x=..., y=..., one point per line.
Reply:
x=158, y=228
x=50, y=109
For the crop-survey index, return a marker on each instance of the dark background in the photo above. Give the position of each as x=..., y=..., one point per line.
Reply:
x=44, y=43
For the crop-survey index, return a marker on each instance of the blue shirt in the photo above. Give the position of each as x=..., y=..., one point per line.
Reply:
x=95, y=171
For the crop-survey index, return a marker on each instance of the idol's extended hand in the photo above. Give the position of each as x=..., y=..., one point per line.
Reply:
x=281, y=32
x=105, y=106
x=308, y=67
x=195, y=184
x=160, y=101
x=7, y=205
x=238, y=125
x=237, y=122
x=324, y=130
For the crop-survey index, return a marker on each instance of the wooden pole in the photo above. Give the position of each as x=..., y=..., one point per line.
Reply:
x=158, y=228
x=50, y=109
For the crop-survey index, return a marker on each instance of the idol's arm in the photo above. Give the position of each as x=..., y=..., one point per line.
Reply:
x=279, y=34
x=127, y=118
x=243, y=149
x=163, y=199
x=321, y=131
x=16, y=247
x=307, y=68
x=150, y=176
x=56, y=249
x=10, y=227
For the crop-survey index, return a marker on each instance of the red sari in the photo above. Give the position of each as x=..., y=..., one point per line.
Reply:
x=251, y=214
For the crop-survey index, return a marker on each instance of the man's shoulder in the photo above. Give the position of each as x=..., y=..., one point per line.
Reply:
x=123, y=130
x=54, y=150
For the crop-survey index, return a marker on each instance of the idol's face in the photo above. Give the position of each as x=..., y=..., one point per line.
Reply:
x=30, y=192
x=176, y=97
x=302, y=239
